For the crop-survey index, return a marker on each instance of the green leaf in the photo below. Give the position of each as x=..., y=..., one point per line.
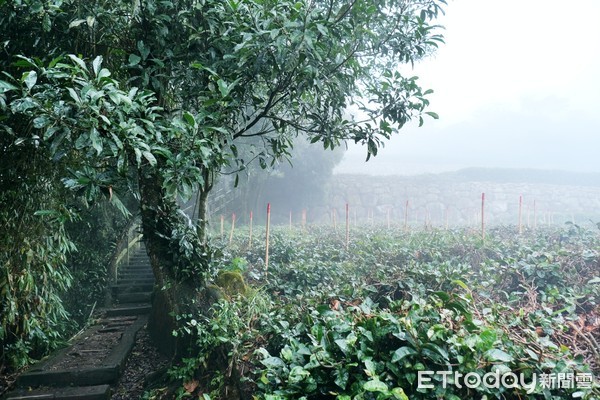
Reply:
x=77, y=61
x=402, y=352
x=375, y=385
x=76, y=23
x=134, y=59
x=96, y=64
x=498, y=355
x=461, y=284
x=189, y=118
x=342, y=344
x=74, y=95
x=223, y=88
x=96, y=140
x=41, y=122
x=341, y=377
x=273, y=362
x=594, y=280
x=143, y=49
x=432, y=114
x=5, y=87
x=399, y=394
x=30, y=78
x=150, y=157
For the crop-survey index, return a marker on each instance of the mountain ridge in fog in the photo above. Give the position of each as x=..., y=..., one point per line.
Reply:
x=507, y=175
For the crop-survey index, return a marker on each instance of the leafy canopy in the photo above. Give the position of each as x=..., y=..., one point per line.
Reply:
x=212, y=73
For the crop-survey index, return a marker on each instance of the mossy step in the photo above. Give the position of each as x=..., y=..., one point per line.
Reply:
x=52, y=371
x=96, y=392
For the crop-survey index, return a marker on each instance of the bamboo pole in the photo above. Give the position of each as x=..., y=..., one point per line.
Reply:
x=387, y=217
x=333, y=217
x=520, y=214
x=232, y=228
x=534, y=215
x=222, y=225
x=290, y=219
x=267, y=240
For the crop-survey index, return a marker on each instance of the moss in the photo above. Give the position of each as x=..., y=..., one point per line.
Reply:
x=231, y=283
x=213, y=293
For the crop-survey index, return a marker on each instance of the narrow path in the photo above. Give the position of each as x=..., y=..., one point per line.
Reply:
x=95, y=362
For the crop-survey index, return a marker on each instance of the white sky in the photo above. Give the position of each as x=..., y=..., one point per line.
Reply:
x=517, y=85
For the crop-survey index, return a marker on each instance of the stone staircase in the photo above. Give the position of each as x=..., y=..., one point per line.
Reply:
x=132, y=291
x=95, y=358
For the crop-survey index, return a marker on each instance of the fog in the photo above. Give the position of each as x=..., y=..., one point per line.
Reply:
x=517, y=90
x=516, y=86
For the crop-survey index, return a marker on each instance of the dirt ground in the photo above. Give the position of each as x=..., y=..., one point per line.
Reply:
x=143, y=364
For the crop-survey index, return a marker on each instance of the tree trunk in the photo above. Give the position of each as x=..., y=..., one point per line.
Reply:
x=177, y=291
x=203, y=207
x=157, y=226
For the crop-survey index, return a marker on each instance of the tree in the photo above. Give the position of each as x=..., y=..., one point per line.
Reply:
x=156, y=96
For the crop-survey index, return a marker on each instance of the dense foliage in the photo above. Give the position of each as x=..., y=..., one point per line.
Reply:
x=361, y=324
x=101, y=100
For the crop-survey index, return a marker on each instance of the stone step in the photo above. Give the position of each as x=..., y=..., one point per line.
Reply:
x=129, y=309
x=145, y=270
x=135, y=297
x=131, y=288
x=136, y=267
x=137, y=263
x=138, y=276
x=59, y=370
x=135, y=270
x=97, y=392
x=144, y=281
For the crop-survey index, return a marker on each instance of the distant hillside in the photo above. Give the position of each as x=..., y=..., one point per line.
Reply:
x=499, y=175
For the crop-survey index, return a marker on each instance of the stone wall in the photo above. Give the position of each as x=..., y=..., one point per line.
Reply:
x=439, y=200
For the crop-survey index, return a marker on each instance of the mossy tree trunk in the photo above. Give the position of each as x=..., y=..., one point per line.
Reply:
x=158, y=221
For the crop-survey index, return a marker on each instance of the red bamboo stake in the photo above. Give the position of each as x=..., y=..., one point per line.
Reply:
x=232, y=228
x=483, y=216
x=347, y=226
x=520, y=214
x=267, y=239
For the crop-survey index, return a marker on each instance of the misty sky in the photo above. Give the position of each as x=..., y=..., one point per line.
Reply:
x=517, y=85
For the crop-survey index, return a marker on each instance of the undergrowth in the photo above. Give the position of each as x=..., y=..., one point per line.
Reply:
x=371, y=321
